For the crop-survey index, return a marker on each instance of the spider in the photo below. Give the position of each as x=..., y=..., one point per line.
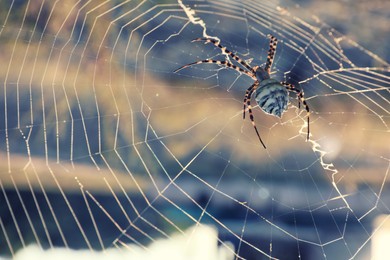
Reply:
x=270, y=94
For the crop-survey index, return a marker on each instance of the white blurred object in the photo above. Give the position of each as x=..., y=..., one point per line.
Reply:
x=198, y=242
x=380, y=240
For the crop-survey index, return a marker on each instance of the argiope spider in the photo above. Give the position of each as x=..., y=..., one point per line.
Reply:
x=270, y=94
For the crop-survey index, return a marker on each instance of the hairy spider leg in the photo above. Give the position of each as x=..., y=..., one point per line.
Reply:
x=221, y=63
x=302, y=100
x=226, y=51
x=248, y=103
x=271, y=53
x=248, y=95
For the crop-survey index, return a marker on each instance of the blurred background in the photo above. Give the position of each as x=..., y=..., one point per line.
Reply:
x=103, y=147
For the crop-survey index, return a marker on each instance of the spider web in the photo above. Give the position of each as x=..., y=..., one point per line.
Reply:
x=104, y=148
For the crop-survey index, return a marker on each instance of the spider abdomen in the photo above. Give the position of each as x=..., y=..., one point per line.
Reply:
x=272, y=97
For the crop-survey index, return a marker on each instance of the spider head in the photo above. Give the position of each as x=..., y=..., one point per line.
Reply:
x=261, y=73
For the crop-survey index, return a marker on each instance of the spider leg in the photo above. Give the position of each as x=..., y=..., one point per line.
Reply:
x=271, y=53
x=221, y=63
x=226, y=51
x=248, y=103
x=248, y=95
x=302, y=100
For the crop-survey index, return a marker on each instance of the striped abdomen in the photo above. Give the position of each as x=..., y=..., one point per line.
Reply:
x=272, y=97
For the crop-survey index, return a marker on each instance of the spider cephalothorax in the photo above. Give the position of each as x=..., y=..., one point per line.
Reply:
x=270, y=94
